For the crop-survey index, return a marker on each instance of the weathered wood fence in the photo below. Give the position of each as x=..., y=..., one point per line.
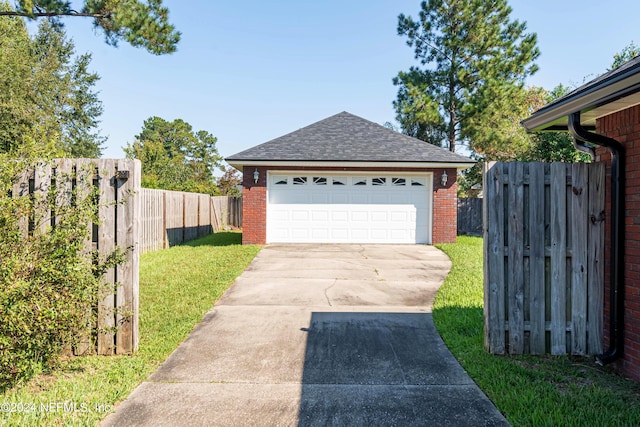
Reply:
x=119, y=212
x=543, y=258
x=131, y=218
x=169, y=218
x=470, y=216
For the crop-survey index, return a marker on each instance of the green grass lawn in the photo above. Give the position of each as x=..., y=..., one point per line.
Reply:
x=177, y=287
x=529, y=391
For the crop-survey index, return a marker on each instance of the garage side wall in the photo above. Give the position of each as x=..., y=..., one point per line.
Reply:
x=254, y=206
x=254, y=226
x=445, y=206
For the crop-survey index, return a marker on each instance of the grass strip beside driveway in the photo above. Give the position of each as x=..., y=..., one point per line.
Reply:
x=177, y=287
x=528, y=390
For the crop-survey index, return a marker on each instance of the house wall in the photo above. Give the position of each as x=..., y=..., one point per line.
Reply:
x=624, y=126
x=254, y=214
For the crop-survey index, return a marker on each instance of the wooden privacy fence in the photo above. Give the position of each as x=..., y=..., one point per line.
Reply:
x=117, y=181
x=470, y=216
x=543, y=258
x=169, y=218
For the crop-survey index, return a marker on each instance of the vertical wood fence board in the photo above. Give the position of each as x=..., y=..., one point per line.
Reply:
x=106, y=245
x=135, y=211
x=536, y=260
x=515, y=281
x=190, y=216
x=596, y=260
x=127, y=235
x=558, y=259
x=579, y=267
x=63, y=185
x=42, y=185
x=21, y=189
x=494, y=261
x=84, y=182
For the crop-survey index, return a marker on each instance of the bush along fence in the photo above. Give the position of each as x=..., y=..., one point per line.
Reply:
x=543, y=258
x=130, y=218
x=115, y=329
x=169, y=218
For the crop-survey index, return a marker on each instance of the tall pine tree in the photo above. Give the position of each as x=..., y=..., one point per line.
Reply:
x=48, y=102
x=471, y=54
x=140, y=23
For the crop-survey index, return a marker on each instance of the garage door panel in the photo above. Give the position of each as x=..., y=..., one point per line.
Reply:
x=399, y=216
x=280, y=215
x=299, y=234
x=340, y=234
x=379, y=216
x=319, y=234
x=320, y=211
x=339, y=215
x=359, y=234
x=359, y=216
x=320, y=215
x=379, y=234
x=300, y=215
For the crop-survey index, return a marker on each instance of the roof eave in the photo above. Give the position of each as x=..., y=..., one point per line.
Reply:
x=553, y=115
x=239, y=164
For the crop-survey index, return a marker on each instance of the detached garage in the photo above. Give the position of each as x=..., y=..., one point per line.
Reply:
x=345, y=179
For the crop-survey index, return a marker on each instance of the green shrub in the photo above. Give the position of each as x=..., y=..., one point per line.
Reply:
x=49, y=282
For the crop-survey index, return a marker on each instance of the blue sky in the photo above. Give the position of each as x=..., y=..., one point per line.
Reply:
x=249, y=71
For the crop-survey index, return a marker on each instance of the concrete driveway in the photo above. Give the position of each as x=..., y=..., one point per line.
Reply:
x=316, y=335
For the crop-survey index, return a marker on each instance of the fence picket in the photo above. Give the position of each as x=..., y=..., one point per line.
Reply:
x=579, y=267
x=494, y=260
x=515, y=281
x=536, y=260
x=127, y=235
x=106, y=245
x=558, y=259
x=41, y=188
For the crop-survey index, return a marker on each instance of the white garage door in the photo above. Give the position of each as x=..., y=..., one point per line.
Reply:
x=322, y=208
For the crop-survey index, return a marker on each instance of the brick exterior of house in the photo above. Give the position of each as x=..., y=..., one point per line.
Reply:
x=624, y=126
x=254, y=205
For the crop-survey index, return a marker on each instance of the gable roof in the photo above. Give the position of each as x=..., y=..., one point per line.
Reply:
x=345, y=137
x=613, y=91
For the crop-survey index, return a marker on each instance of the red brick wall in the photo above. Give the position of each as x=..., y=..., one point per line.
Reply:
x=254, y=205
x=445, y=207
x=624, y=126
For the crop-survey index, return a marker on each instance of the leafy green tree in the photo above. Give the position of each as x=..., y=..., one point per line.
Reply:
x=629, y=52
x=553, y=146
x=174, y=157
x=140, y=23
x=47, y=97
x=471, y=52
x=230, y=180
